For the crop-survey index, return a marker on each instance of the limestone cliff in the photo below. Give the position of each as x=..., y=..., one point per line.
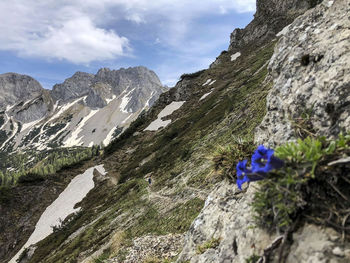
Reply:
x=310, y=70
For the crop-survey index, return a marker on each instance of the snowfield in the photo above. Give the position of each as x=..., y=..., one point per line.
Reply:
x=63, y=206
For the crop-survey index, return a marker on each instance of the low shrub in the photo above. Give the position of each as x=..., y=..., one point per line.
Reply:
x=308, y=187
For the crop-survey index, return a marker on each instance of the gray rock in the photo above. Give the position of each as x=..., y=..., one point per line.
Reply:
x=226, y=215
x=322, y=33
x=311, y=71
x=314, y=244
x=271, y=16
x=74, y=87
x=15, y=88
x=34, y=109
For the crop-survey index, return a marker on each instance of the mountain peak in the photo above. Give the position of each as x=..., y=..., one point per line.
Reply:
x=16, y=87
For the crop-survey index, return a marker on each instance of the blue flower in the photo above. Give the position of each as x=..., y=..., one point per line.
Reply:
x=242, y=173
x=263, y=161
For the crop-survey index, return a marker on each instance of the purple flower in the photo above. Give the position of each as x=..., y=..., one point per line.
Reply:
x=263, y=161
x=242, y=173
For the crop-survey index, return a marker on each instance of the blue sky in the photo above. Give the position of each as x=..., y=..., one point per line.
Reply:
x=52, y=39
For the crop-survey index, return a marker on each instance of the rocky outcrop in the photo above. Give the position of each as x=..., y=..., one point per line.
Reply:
x=15, y=87
x=226, y=216
x=34, y=109
x=73, y=87
x=152, y=248
x=310, y=69
x=106, y=83
x=311, y=72
x=271, y=16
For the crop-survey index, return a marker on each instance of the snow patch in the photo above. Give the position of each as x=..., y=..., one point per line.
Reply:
x=111, y=99
x=109, y=136
x=126, y=119
x=211, y=83
x=329, y=3
x=235, y=56
x=15, y=130
x=30, y=124
x=63, y=206
x=65, y=107
x=207, y=82
x=205, y=95
x=125, y=100
x=168, y=110
x=147, y=102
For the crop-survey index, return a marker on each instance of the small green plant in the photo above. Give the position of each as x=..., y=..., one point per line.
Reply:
x=212, y=243
x=252, y=259
x=302, y=183
x=225, y=157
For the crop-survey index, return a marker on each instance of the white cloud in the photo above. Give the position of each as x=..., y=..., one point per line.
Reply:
x=78, y=41
x=79, y=31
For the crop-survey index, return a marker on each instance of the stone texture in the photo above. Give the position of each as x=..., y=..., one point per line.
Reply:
x=73, y=87
x=271, y=16
x=34, y=109
x=311, y=71
x=158, y=247
x=316, y=244
x=226, y=215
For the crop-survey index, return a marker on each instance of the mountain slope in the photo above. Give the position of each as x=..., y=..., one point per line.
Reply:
x=220, y=106
x=174, y=156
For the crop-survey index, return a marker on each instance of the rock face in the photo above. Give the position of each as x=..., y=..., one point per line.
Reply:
x=270, y=17
x=84, y=110
x=105, y=84
x=311, y=71
x=74, y=87
x=15, y=87
x=150, y=247
x=226, y=216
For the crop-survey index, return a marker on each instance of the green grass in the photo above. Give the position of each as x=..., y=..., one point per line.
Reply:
x=212, y=243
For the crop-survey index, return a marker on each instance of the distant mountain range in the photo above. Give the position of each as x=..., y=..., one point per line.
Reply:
x=84, y=110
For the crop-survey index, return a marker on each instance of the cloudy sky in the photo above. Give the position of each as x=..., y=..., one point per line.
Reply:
x=51, y=39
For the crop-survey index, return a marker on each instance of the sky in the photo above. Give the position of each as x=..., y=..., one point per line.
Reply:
x=52, y=39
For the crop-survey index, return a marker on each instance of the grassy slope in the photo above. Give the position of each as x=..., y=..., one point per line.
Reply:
x=177, y=160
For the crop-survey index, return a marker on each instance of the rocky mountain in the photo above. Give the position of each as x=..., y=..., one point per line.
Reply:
x=71, y=113
x=15, y=87
x=170, y=192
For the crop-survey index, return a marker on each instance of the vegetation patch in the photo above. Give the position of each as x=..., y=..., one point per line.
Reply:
x=225, y=157
x=34, y=166
x=212, y=243
x=192, y=75
x=309, y=187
